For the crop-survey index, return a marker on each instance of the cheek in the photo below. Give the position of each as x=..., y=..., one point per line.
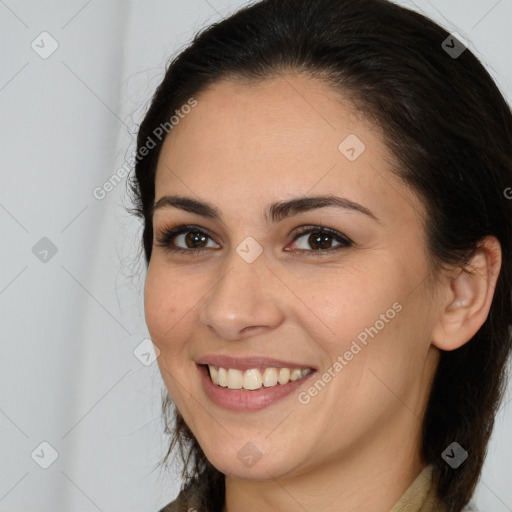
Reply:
x=164, y=305
x=168, y=323
x=354, y=303
x=373, y=319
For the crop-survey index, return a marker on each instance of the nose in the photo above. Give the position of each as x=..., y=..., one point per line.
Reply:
x=245, y=300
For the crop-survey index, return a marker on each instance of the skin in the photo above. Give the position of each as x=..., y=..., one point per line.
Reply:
x=355, y=445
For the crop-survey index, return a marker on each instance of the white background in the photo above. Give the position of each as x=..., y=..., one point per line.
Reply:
x=68, y=374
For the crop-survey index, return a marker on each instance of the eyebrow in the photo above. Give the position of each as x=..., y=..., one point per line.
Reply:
x=274, y=213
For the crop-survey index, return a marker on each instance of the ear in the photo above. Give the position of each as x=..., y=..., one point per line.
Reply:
x=467, y=297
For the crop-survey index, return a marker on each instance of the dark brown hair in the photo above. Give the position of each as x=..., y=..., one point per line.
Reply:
x=449, y=128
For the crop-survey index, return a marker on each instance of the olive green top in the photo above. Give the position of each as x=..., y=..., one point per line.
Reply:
x=419, y=497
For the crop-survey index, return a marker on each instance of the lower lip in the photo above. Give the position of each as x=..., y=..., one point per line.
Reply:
x=246, y=400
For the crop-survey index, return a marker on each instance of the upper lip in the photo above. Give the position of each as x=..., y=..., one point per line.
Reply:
x=248, y=363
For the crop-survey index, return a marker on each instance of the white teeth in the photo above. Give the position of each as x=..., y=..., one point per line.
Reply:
x=235, y=379
x=295, y=374
x=270, y=377
x=214, y=374
x=284, y=375
x=253, y=379
x=223, y=377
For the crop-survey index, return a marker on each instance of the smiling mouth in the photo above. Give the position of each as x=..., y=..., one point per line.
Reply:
x=255, y=378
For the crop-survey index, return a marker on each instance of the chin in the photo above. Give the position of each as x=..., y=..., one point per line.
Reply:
x=257, y=460
x=261, y=470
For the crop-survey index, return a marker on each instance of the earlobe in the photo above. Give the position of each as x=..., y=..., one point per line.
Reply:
x=468, y=297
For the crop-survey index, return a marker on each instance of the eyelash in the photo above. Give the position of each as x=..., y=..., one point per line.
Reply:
x=171, y=232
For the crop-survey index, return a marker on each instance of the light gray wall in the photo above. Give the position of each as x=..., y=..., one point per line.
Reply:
x=70, y=321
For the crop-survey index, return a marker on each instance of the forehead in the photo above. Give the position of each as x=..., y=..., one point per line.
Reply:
x=272, y=140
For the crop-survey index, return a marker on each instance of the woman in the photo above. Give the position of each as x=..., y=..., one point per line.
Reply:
x=328, y=240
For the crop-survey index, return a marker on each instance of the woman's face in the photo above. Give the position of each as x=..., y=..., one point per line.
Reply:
x=260, y=288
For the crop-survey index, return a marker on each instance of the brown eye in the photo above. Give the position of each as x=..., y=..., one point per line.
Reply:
x=195, y=237
x=191, y=239
x=320, y=239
